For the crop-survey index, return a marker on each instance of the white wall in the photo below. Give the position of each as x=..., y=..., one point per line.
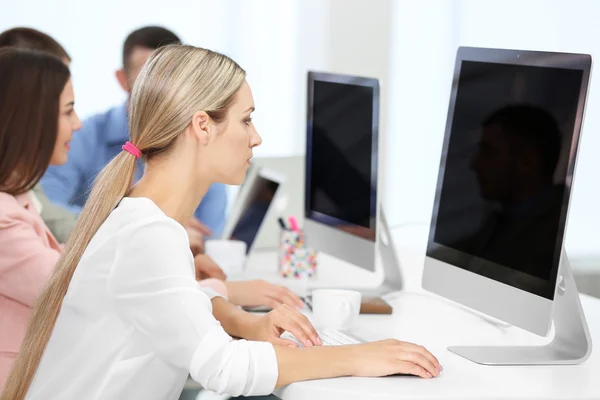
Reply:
x=422, y=59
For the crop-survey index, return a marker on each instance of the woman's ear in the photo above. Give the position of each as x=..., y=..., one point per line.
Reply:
x=122, y=78
x=201, y=127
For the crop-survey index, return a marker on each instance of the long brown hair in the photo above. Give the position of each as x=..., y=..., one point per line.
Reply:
x=31, y=83
x=175, y=82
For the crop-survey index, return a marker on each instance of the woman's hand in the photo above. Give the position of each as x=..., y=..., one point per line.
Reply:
x=388, y=357
x=197, y=231
x=206, y=268
x=269, y=327
x=196, y=225
x=261, y=293
x=196, y=242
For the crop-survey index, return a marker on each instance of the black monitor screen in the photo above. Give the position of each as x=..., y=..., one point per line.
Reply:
x=342, y=157
x=254, y=210
x=501, y=206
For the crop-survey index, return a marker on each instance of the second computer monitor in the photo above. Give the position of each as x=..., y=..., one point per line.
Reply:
x=341, y=166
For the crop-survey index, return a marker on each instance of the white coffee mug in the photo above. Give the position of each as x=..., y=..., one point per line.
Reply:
x=230, y=255
x=335, y=308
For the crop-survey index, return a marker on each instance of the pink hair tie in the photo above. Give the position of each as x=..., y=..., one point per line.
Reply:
x=131, y=149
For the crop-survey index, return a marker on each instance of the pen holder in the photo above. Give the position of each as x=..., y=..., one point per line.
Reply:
x=295, y=259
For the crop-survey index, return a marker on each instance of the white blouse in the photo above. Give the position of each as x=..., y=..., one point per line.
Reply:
x=135, y=322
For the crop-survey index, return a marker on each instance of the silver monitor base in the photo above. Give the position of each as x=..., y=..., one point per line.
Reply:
x=392, y=276
x=572, y=343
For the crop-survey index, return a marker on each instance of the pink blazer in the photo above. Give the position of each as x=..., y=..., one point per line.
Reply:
x=28, y=253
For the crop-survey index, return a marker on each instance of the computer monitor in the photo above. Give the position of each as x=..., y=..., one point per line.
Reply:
x=340, y=208
x=255, y=200
x=496, y=241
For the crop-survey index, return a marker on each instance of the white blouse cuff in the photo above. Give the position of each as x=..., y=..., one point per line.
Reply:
x=211, y=293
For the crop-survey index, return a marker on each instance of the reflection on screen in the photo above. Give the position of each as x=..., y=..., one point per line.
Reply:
x=341, y=157
x=254, y=211
x=501, y=199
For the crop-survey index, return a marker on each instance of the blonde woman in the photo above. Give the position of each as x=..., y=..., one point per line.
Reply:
x=122, y=316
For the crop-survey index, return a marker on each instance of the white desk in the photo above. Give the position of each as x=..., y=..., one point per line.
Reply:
x=436, y=324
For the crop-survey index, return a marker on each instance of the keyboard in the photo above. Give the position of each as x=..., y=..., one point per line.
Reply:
x=329, y=338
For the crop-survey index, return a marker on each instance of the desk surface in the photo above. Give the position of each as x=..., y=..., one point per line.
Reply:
x=436, y=323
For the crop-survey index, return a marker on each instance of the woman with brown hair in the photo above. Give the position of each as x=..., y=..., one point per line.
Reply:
x=37, y=120
x=122, y=316
x=59, y=220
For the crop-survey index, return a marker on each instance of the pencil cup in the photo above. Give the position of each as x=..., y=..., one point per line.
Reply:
x=295, y=259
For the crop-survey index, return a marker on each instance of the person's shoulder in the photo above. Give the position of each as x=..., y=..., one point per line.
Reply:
x=217, y=192
x=118, y=111
x=143, y=234
x=9, y=206
x=142, y=217
x=94, y=128
x=217, y=187
x=16, y=210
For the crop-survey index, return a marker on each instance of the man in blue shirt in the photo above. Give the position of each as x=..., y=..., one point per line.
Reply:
x=102, y=135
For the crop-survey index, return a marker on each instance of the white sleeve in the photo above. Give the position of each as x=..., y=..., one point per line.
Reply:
x=211, y=293
x=153, y=288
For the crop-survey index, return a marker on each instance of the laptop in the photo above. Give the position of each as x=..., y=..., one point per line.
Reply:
x=256, y=198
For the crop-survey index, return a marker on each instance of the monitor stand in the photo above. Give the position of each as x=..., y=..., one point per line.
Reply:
x=392, y=276
x=572, y=343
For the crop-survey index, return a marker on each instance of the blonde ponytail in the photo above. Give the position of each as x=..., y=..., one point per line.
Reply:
x=176, y=82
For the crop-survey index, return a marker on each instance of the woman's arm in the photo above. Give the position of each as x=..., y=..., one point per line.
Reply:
x=374, y=359
x=261, y=293
x=314, y=362
x=152, y=288
x=25, y=261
